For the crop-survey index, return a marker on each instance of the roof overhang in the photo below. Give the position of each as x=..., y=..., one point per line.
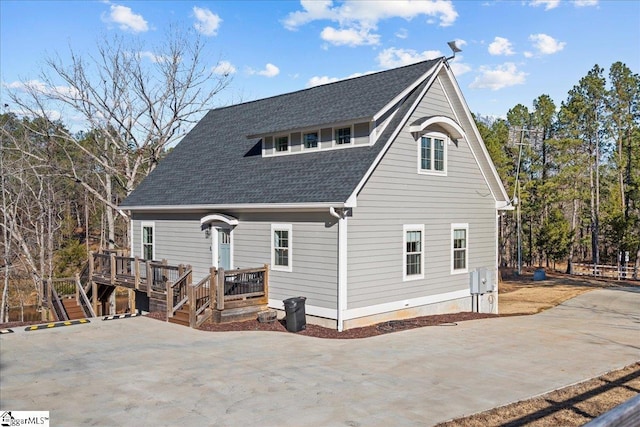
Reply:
x=453, y=129
x=229, y=220
x=244, y=207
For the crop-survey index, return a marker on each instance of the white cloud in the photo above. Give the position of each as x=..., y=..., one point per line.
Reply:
x=585, y=3
x=349, y=37
x=207, y=21
x=41, y=87
x=500, y=46
x=548, y=4
x=270, y=70
x=126, y=19
x=502, y=76
x=224, y=68
x=393, y=57
x=460, y=43
x=153, y=57
x=322, y=80
x=358, y=20
x=402, y=33
x=458, y=67
x=546, y=45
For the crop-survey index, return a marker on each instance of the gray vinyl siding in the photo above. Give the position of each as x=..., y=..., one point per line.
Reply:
x=396, y=195
x=269, y=148
x=178, y=239
x=314, y=255
x=295, y=142
x=361, y=133
x=326, y=138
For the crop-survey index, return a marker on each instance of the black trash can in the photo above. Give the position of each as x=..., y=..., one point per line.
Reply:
x=294, y=308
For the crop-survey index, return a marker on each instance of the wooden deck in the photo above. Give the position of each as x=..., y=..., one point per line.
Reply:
x=220, y=296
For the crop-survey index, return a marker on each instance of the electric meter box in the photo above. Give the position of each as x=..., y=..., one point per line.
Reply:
x=481, y=281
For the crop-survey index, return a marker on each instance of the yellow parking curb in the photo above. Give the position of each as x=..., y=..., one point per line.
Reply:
x=57, y=324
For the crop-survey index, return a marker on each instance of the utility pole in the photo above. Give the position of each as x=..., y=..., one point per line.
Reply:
x=521, y=136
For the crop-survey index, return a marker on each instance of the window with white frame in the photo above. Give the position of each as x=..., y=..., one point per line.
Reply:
x=413, y=252
x=459, y=248
x=281, y=247
x=310, y=139
x=343, y=135
x=282, y=143
x=433, y=154
x=148, y=248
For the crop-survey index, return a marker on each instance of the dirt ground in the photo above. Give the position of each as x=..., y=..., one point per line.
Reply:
x=570, y=406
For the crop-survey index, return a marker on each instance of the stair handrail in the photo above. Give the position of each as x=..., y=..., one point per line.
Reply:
x=58, y=307
x=199, y=301
x=83, y=299
x=175, y=300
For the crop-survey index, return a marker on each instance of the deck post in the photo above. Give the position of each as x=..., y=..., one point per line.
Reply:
x=265, y=284
x=49, y=299
x=220, y=290
x=112, y=262
x=76, y=277
x=149, y=277
x=169, y=299
x=94, y=286
x=191, y=300
x=136, y=275
x=213, y=284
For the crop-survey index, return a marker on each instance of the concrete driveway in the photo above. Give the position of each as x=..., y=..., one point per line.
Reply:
x=142, y=372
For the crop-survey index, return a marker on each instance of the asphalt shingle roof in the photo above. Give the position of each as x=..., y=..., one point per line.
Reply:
x=216, y=164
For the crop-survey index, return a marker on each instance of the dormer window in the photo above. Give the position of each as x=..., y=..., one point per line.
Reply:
x=282, y=143
x=343, y=136
x=310, y=139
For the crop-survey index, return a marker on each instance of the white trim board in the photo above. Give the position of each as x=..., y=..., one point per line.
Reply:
x=371, y=310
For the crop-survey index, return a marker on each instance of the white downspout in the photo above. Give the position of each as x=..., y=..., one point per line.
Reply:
x=342, y=265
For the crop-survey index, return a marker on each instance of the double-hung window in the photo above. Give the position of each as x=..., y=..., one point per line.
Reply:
x=413, y=252
x=281, y=247
x=459, y=248
x=282, y=144
x=148, y=251
x=343, y=136
x=433, y=155
x=310, y=139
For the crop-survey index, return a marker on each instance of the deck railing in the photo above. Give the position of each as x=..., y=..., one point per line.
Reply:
x=241, y=287
x=219, y=290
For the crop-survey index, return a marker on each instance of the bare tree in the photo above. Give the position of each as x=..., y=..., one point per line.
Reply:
x=135, y=103
x=30, y=210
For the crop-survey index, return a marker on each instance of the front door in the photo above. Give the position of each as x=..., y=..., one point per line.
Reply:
x=224, y=248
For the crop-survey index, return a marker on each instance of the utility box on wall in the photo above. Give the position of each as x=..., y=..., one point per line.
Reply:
x=481, y=281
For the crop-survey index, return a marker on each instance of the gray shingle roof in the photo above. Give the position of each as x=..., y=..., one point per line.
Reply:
x=216, y=164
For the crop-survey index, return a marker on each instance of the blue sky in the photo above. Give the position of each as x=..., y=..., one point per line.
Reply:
x=513, y=51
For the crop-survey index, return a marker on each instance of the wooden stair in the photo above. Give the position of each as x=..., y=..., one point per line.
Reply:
x=181, y=317
x=73, y=309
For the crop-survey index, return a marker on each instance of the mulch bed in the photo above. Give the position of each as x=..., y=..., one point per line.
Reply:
x=321, y=332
